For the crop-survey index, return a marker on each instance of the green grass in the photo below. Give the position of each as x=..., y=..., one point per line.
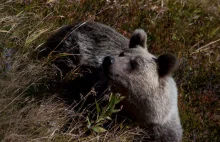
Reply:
x=188, y=28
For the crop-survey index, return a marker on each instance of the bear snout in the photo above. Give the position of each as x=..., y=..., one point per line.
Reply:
x=107, y=62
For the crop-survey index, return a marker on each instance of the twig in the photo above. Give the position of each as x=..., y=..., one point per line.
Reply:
x=203, y=47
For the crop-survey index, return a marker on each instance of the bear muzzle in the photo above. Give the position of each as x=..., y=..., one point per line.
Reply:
x=107, y=62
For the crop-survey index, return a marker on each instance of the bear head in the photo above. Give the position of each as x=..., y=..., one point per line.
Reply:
x=136, y=68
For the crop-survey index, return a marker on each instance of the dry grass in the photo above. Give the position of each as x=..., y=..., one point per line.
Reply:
x=30, y=114
x=188, y=28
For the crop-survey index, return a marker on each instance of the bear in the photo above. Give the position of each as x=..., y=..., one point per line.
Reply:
x=85, y=44
x=107, y=58
x=150, y=90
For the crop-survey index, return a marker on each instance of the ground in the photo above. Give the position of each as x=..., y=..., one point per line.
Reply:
x=188, y=28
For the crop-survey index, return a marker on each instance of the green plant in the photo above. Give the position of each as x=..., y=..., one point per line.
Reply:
x=104, y=114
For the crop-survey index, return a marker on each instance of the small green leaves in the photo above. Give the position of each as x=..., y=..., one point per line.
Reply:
x=88, y=122
x=104, y=114
x=98, y=129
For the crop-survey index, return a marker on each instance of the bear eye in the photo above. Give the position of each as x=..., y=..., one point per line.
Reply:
x=133, y=64
x=121, y=54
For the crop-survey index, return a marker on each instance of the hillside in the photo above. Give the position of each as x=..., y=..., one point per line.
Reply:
x=29, y=112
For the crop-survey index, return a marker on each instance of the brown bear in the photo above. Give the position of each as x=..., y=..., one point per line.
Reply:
x=85, y=45
x=106, y=56
x=146, y=81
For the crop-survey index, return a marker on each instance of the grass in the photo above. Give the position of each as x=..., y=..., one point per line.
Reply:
x=188, y=28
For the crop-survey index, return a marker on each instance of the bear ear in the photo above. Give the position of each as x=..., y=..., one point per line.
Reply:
x=139, y=37
x=167, y=63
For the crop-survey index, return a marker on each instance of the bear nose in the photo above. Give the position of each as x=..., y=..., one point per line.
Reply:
x=108, y=61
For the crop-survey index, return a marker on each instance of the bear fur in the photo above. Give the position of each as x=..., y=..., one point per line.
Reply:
x=85, y=45
x=145, y=80
x=151, y=92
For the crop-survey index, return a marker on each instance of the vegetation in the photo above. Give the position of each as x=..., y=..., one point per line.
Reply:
x=188, y=28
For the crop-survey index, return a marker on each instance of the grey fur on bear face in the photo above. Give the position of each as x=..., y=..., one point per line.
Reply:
x=151, y=92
